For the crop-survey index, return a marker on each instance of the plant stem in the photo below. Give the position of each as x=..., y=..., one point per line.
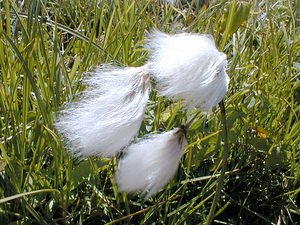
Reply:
x=224, y=165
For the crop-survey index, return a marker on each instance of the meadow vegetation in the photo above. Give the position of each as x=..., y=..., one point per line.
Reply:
x=47, y=46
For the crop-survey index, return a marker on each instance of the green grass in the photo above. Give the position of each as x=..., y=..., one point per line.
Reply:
x=45, y=48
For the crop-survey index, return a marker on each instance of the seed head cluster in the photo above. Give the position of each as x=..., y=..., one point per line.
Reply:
x=107, y=116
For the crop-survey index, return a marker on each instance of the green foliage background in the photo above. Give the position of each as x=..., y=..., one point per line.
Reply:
x=45, y=48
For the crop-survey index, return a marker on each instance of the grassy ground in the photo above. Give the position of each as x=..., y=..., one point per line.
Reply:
x=45, y=48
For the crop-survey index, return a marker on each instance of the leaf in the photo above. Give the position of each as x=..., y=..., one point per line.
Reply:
x=277, y=158
x=234, y=16
x=26, y=193
x=2, y=164
x=84, y=171
x=261, y=132
x=240, y=16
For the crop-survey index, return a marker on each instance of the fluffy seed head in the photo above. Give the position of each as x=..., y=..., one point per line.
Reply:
x=108, y=114
x=149, y=164
x=188, y=67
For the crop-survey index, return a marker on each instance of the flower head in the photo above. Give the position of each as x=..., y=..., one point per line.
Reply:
x=108, y=114
x=188, y=67
x=149, y=164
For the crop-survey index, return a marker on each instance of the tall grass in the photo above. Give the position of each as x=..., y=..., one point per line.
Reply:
x=45, y=48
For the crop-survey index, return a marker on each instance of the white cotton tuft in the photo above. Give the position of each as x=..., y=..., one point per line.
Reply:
x=188, y=67
x=108, y=114
x=149, y=164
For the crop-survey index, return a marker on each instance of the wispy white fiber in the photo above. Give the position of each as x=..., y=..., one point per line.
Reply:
x=149, y=164
x=108, y=114
x=188, y=67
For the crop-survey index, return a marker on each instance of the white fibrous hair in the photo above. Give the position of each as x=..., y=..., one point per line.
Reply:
x=149, y=164
x=108, y=114
x=188, y=67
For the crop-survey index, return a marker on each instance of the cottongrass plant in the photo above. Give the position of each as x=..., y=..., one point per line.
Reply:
x=108, y=114
x=149, y=164
x=188, y=67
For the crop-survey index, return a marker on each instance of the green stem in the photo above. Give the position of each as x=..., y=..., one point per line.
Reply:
x=224, y=165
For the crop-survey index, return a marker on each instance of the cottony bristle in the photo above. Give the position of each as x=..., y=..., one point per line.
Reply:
x=150, y=164
x=108, y=114
x=188, y=67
